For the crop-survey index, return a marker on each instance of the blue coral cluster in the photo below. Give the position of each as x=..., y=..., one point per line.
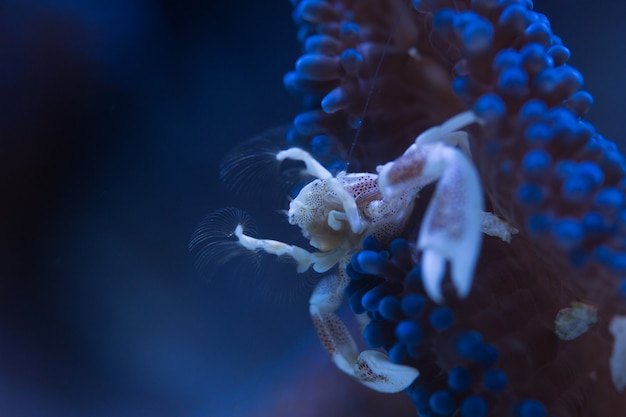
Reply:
x=534, y=148
x=459, y=369
x=356, y=80
x=384, y=71
x=329, y=56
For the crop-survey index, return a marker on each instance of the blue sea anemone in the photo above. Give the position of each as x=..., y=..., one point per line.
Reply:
x=374, y=75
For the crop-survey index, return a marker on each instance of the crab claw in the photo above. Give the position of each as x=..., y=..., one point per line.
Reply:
x=451, y=228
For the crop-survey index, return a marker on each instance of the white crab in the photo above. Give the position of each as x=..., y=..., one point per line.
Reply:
x=336, y=212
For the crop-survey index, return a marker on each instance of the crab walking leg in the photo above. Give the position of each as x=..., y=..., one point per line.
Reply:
x=448, y=132
x=321, y=261
x=459, y=139
x=313, y=167
x=451, y=228
x=372, y=368
x=494, y=226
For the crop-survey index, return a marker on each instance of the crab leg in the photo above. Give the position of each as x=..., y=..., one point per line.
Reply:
x=313, y=167
x=372, y=368
x=321, y=261
x=449, y=133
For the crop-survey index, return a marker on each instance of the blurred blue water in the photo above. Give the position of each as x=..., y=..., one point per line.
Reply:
x=113, y=118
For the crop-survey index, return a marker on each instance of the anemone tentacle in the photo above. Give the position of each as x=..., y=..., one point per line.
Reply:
x=566, y=180
x=348, y=52
x=534, y=149
x=493, y=354
x=543, y=168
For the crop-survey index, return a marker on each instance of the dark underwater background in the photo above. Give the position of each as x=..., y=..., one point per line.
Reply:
x=114, y=116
